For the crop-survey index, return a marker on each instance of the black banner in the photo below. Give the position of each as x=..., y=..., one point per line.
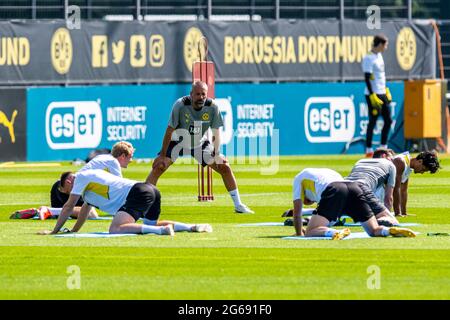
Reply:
x=48, y=52
x=13, y=124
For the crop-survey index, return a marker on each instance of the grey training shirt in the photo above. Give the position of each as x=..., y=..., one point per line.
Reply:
x=189, y=122
x=374, y=173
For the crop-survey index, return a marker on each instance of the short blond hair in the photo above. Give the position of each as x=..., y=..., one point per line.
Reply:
x=122, y=147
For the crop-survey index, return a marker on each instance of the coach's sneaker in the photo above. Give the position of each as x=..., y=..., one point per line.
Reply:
x=341, y=234
x=44, y=213
x=168, y=230
x=401, y=232
x=204, y=227
x=242, y=208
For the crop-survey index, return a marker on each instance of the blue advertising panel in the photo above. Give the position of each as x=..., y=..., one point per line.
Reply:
x=310, y=118
x=285, y=119
x=67, y=123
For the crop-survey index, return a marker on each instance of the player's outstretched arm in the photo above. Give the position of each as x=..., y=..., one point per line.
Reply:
x=298, y=217
x=404, y=196
x=166, y=140
x=82, y=216
x=388, y=197
x=66, y=212
x=397, y=194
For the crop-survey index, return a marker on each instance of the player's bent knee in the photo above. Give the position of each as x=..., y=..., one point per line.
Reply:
x=114, y=229
x=224, y=168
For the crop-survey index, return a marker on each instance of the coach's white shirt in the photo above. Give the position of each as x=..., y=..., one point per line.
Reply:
x=104, y=162
x=373, y=63
x=102, y=189
x=311, y=182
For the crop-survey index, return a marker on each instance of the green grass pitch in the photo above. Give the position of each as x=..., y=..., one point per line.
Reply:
x=233, y=262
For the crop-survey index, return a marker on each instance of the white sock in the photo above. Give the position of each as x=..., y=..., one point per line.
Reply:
x=235, y=196
x=55, y=211
x=151, y=229
x=369, y=150
x=385, y=232
x=330, y=232
x=177, y=227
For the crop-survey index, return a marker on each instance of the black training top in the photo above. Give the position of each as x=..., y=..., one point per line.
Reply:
x=57, y=198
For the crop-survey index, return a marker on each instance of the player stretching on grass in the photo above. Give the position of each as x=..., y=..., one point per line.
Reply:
x=307, y=189
x=335, y=198
x=373, y=174
x=127, y=200
x=120, y=157
x=405, y=164
x=190, y=119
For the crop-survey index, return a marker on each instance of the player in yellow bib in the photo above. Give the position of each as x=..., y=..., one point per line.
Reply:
x=126, y=199
x=335, y=197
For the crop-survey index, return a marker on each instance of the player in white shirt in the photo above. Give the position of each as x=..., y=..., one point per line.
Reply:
x=127, y=200
x=405, y=165
x=120, y=157
x=307, y=189
x=378, y=96
x=335, y=197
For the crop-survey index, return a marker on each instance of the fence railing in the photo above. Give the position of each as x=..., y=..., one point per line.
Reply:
x=220, y=9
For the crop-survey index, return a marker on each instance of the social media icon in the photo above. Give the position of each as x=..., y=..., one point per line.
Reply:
x=99, y=51
x=118, y=50
x=138, y=51
x=157, y=50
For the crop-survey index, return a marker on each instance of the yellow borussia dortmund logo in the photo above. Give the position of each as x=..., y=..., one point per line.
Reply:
x=61, y=50
x=191, y=41
x=205, y=117
x=406, y=48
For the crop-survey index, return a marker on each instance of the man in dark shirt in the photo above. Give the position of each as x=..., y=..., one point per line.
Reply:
x=58, y=196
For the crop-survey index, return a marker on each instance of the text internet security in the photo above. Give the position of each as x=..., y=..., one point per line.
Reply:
x=79, y=124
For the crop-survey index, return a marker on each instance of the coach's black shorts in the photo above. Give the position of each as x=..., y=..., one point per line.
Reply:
x=143, y=201
x=341, y=198
x=374, y=203
x=203, y=154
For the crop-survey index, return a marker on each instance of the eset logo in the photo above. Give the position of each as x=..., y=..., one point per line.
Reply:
x=329, y=119
x=73, y=125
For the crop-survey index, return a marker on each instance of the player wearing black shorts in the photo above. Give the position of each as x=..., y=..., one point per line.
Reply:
x=127, y=200
x=345, y=197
